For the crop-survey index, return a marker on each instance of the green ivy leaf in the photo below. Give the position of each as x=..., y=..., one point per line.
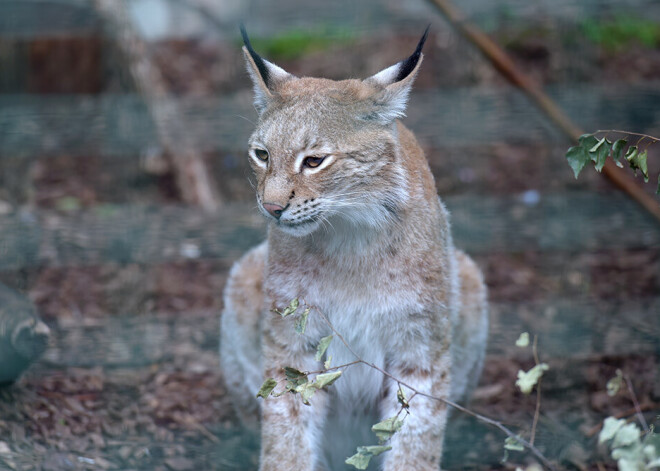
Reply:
x=326, y=379
x=614, y=385
x=587, y=141
x=642, y=163
x=597, y=146
x=301, y=323
x=361, y=459
x=323, y=345
x=327, y=362
x=523, y=340
x=527, y=380
x=626, y=435
x=610, y=427
x=513, y=444
x=294, y=377
x=577, y=158
x=267, y=388
x=629, y=465
x=638, y=161
x=602, y=153
x=306, y=391
x=388, y=427
x=633, y=453
x=617, y=147
x=290, y=309
x=299, y=383
x=401, y=397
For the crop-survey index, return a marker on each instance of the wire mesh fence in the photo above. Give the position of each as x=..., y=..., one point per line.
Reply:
x=128, y=274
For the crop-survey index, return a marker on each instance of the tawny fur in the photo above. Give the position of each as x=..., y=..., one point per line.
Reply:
x=364, y=238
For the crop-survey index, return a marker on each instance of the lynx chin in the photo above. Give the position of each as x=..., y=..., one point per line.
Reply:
x=355, y=228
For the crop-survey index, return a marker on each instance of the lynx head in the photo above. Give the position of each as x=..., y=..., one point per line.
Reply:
x=326, y=153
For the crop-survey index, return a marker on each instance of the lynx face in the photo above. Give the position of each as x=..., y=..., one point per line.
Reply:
x=325, y=152
x=314, y=161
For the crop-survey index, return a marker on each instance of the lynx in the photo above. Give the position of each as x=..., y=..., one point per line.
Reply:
x=357, y=230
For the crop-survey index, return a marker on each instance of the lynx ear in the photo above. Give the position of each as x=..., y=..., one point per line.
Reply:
x=265, y=75
x=396, y=81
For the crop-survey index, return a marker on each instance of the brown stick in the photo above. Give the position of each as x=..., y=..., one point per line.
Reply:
x=503, y=63
x=192, y=176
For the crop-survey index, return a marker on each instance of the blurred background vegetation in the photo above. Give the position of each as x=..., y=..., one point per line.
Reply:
x=125, y=197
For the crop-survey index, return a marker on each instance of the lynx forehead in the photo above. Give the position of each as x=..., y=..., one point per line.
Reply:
x=355, y=229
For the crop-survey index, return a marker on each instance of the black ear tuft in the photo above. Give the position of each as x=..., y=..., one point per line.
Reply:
x=258, y=61
x=409, y=64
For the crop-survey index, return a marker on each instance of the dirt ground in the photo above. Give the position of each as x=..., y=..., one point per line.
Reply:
x=173, y=414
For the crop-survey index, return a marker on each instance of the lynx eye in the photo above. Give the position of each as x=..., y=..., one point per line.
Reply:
x=261, y=154
x=313, y=162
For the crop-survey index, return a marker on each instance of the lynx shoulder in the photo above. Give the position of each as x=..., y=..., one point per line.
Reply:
x=357, y=230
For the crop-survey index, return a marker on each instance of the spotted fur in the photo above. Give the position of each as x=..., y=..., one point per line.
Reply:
x=356, y=229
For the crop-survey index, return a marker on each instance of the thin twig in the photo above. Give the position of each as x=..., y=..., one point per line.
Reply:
x=338, y=367
x=638, y=409
x=618, y=131
x=537, y=411
x=482, y=418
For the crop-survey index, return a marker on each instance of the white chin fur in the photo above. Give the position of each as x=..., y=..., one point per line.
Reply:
x=298, y=230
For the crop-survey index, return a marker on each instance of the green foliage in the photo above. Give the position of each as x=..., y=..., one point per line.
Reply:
x=267, y=388
x=388, y=427
x=298, y=382
x=361, y=459
x=323, y=345
x=614, y=385
x=632, y=450
x=513, y=444
x=290, y=309
x=301, y=323
x=619, y=32
x=401, y=397
x=596, y=150
x=296, y=43
x=523, y=340
x=527, y=380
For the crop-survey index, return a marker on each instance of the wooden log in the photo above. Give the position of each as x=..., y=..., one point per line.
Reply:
x=132, y=234
x=23, y=336
x=192, y=176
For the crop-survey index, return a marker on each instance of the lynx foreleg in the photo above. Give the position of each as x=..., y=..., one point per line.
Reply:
x=418, y=445
x=290, y=431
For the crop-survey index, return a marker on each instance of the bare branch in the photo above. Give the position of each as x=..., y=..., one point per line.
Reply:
x=638, y=409
x=482, y=418
x=537, y=410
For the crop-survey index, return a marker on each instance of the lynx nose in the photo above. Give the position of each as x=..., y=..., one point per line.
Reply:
x=274, y=210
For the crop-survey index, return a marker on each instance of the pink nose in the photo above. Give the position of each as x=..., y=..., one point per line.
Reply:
x=274, y=210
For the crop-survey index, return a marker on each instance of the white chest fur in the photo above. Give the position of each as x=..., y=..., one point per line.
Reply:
x=368, y=303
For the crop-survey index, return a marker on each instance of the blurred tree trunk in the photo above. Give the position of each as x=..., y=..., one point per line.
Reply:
x=192, y=176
